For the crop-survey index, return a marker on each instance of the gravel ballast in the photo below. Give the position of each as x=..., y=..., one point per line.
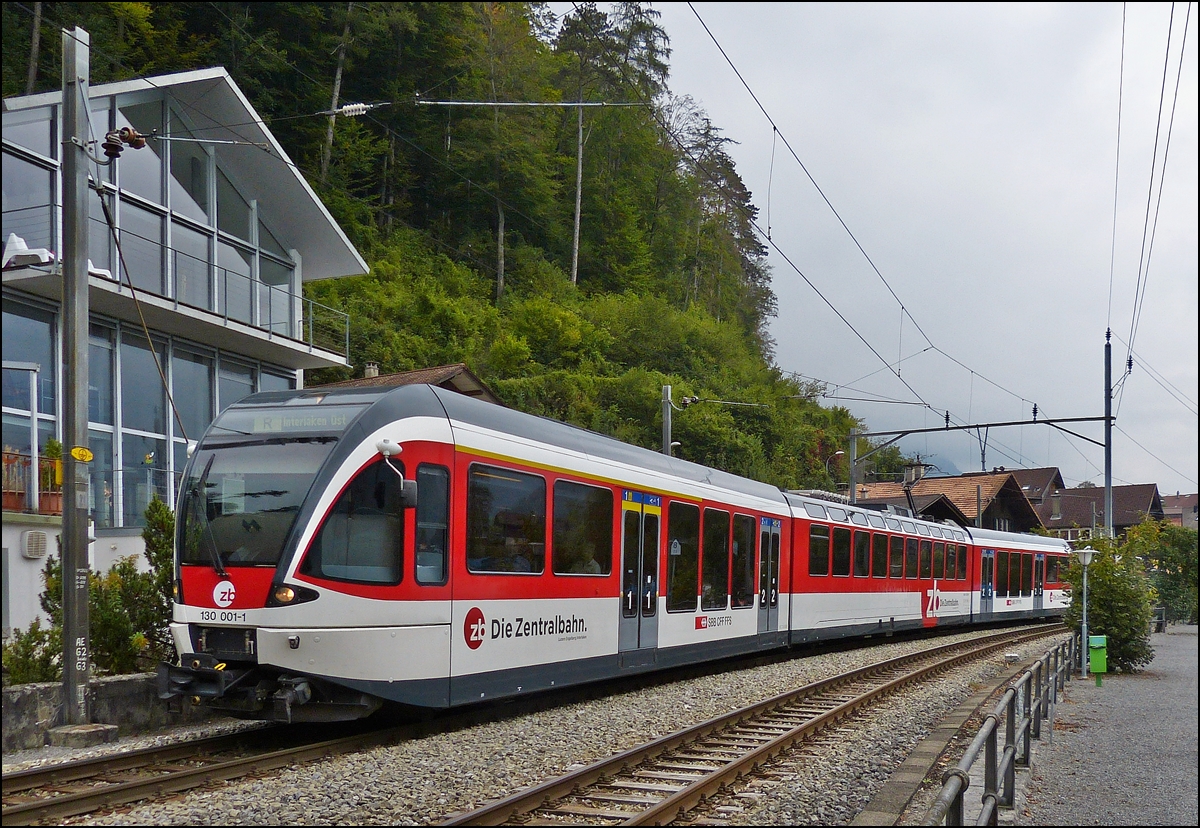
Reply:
x=425, y=780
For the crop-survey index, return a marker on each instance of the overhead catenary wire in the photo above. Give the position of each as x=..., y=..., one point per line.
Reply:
x=1143, y=259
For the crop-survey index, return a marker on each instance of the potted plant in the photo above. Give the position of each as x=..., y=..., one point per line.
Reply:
x=50, y=478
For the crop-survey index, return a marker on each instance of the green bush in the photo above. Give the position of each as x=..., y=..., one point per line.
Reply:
x=33, y=655
x=129, y=612
x=1119, y=603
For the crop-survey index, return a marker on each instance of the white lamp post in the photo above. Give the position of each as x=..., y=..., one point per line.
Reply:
x=835, y=454
x=1085, y=558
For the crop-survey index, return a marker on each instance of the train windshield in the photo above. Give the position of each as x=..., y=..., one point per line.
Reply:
x=252, y=473
x=241, y=499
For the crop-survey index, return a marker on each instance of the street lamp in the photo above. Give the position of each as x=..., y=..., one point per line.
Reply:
x=1085, y=557
x=835, y=454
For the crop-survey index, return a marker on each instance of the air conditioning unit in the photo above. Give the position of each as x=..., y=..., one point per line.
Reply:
x=33, y=544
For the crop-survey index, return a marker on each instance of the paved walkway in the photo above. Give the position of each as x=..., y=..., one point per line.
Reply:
x=1123, y=753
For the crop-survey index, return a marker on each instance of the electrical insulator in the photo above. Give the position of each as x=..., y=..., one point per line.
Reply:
x=1129, y=367
x=947, y=419
x=112, y=145
x=354, y=109
x=132, y=137
x=1035, y=412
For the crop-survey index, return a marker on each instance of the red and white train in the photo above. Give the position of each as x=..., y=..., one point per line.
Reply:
x=343, y=547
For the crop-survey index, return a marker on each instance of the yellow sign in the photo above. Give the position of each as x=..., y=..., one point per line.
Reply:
x=81, y=454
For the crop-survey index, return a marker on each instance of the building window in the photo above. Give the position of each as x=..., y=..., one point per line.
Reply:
x=28, y=200
x=140, y=171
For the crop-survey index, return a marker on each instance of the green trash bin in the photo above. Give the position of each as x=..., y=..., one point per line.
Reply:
x=1098, y=653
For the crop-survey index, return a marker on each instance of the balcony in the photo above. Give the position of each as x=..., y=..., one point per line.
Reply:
x=19, y=496
x=180, y=294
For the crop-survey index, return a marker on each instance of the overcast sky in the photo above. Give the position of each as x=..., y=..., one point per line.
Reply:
x=971, y=150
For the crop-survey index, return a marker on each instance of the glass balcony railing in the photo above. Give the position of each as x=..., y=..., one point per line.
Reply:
x=231, y=293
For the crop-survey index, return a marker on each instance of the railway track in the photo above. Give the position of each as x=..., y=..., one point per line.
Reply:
x=83, y=786
x=661, y=781
x=54, y=792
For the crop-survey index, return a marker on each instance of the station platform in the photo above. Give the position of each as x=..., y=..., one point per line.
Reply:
x=1123, y=753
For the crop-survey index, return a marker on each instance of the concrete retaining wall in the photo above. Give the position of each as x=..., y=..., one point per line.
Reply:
x=129, y=702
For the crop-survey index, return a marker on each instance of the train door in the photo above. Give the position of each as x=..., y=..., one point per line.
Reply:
x=1039, y=577
x=640, y=518
x=768, y=574
x=987, y=586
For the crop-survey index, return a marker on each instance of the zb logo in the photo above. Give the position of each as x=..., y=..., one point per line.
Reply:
x=474, y=628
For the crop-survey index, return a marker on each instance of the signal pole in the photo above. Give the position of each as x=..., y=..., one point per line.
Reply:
x=76, y=47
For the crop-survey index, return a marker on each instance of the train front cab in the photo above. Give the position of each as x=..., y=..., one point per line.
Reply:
x=306, y=584
x=1019, y=575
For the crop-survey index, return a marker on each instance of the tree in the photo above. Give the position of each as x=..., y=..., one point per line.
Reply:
x=1169, y=552
x=1119, y=602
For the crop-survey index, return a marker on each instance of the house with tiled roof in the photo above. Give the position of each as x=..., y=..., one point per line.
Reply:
x=456, y=377
x=993, y=501
x=1037, y=486
x=1181, y=509
x=1077, y=514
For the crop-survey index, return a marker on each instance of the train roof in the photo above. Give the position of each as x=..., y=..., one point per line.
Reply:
x=383, y=405
x=982, y=536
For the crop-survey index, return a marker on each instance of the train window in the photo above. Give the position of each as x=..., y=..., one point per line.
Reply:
x=893, y=524
x=962, y=561
x=506, y=520
x=362, y=537
x=841, y=551
x=433, y=523
x=862, y=554
x=875, y=521
x=896, y=568
x=879, y=555
x=1026, y=573
x=743, y=561
x=926, y=568
x=951, y=560
x=939, y=560
x=583, y=529
x=924, y=530
x=858, y=518
x=818, y=550
x=910, y=557
x=837, y=514
x=714, y=591
x=1052, y=569
x=815, y=510
x=909, y=527
x=1001, y=574
x=683, y=556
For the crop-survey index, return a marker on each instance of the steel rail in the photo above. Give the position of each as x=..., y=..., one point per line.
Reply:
x=682, y=786
x=73, y=771
x=175, y=778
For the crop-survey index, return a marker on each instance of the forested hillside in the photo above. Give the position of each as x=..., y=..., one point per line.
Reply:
x=466, y=214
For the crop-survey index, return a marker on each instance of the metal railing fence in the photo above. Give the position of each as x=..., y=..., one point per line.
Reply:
x=1028, y=701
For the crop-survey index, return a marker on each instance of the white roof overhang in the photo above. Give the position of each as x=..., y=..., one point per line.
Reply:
x=219, y=110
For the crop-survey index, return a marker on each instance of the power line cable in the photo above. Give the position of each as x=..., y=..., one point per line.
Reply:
x=1150, y=188
x=1155, y=456
x=1162, y=176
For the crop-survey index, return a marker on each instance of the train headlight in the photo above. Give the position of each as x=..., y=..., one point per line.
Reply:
x=287, y=595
